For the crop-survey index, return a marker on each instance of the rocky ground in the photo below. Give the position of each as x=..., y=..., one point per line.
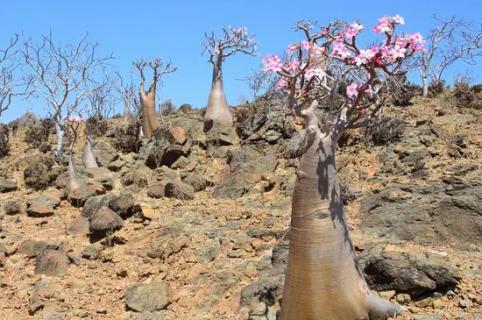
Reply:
x=194, y=226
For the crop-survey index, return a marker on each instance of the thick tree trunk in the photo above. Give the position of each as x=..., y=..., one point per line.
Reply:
x=424, y=86
x=73, y=182
x=88, y=154
x=322, y=279
x=217, y=111
x=60, y=133
x=149, y=117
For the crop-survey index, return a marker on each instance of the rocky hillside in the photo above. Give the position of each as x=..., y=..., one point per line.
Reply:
x=194, y=226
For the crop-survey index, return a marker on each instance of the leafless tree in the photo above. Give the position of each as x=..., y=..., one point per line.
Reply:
x=101, y=100
x=148, y=99
x=63, y=75
x=451, y=40
x=232, y=42
x=129, y=97
x=10, y=86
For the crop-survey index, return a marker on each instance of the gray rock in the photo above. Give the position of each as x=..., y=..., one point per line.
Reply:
x=197, y=181
x=406, y=273
x=157, y=190
x=244, y=177
x=103, y=223
x=7, y=185
x=436, y=213
x=51, y=263
x=104, y=153
x=116, y=165
x=148, y=297
x=92, y=204
x=101, y=175
x=32, y=248
x=123, y=204
x=179, y=190
x=79, y=196
x=43, y=206
x=92, y=251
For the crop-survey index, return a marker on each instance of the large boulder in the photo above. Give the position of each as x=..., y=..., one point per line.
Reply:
x=79, y=196
x=101, y=175
x=51, y=263
x=7, y=185
x=448, y=211
x=148, y=297
x=179, y=190
x=43, y=205
x=244, y=177
x=104, y=153
x=103, y=223
x=403, y=272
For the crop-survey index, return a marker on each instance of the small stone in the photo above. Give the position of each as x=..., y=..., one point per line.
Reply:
x=464, y=303
x=403, y=298
x=387, y=294
x=80, y=195
x=438, y=304
x=92, y=251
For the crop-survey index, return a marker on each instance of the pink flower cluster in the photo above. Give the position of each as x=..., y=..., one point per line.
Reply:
x=353, y=30
x=385, y=24
x=272, y=63
x=353, y=90
x=340, y=50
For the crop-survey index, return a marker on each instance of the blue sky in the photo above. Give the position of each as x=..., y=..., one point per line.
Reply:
x=175, y=30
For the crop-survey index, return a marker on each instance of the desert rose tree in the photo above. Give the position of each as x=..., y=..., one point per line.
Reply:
x=323, y=280
x=148, y=98
x=64, y=76
x=233, y=41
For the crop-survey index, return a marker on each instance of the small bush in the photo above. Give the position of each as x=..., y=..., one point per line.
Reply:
x=125, y=138
x=40, y=173
x=96, y=127
x=467, y=97
x=385, y=130
x=4, y=147
x=436, y=88
x=38, y=135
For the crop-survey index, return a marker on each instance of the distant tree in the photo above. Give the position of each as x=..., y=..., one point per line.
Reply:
x=451, y=40
x=129, y=97
x=148, y=99
x=232, y=41
x=332, y=84
x=64, y=76
x=101, y=100
x=10, y=86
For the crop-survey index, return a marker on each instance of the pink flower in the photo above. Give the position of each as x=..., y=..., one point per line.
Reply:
x=365, y=56
x=353, y=30
x=75, y=119
x=291, y=65
x=272, y=63
x=340, y=50
x=352, y=91
x=397, y=52
x=282, y=84
x=416, y=41
x=317, y=51
x=384, y=25
x=305, y=45
x=397, y=19
x=314, y=72
x=293, y=47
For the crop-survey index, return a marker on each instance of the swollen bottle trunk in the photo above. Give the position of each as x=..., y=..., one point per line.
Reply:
x=217, y=111
x=322, y=279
